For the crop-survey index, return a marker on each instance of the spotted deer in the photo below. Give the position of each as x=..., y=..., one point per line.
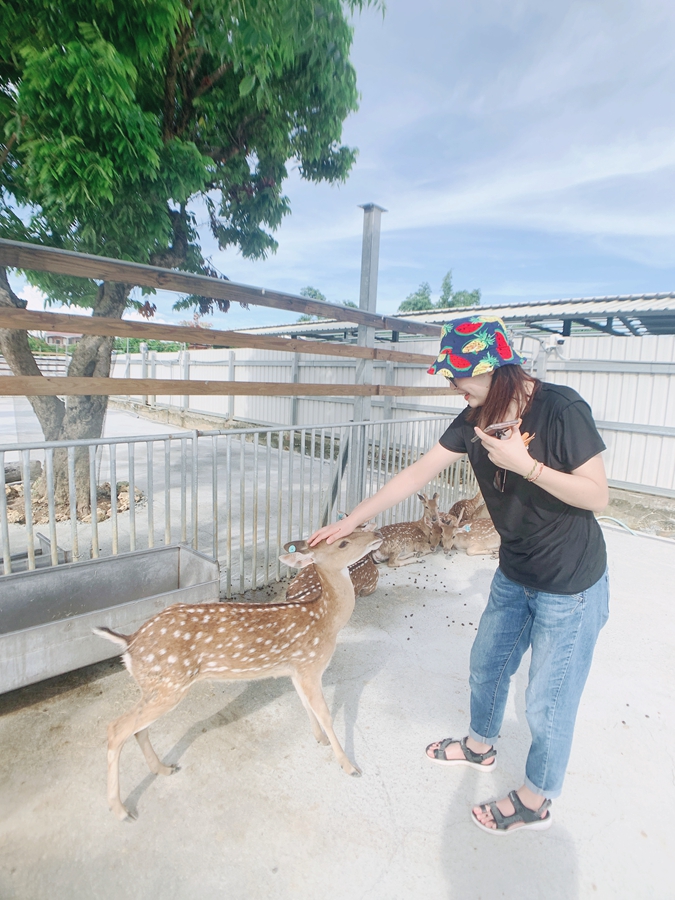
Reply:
x=467, y=509
x=186, y=643
x=476, y=537
x=363, y=573
x=405, y=542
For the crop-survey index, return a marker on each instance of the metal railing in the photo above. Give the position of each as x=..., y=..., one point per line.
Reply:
x=238, y=495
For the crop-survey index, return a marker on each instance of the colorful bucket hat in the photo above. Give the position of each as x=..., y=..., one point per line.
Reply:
x=474, y=345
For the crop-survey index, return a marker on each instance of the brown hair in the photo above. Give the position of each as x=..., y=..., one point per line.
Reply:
x=509, y=384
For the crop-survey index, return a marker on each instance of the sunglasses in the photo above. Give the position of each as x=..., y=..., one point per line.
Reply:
x=499, y=481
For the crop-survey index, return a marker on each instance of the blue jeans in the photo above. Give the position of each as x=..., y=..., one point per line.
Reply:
x=562, y=630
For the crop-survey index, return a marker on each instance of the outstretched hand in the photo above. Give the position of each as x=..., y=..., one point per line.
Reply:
x=333, y=532
x=507, y=453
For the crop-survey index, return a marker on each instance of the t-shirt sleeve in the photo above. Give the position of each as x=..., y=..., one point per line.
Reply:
x=453, y=438
x=577, y=439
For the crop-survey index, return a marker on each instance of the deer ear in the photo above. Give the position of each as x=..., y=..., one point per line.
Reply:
x=461, y=513
x=300, y=546
x=422, y=497
x=368, y=526
x=297, y=560
x=436, y=496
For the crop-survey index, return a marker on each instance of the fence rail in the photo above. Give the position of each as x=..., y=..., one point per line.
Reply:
x=238, y=495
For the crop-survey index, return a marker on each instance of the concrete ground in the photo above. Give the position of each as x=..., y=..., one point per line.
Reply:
x=259, y=810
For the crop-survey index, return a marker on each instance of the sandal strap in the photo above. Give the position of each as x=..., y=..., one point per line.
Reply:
x=476, y=757
x=524, y=813
x=469, y=755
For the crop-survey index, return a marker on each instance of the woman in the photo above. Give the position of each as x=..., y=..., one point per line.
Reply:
x=550, y=591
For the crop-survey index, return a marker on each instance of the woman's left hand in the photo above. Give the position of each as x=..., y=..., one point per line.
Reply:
x=507, y=453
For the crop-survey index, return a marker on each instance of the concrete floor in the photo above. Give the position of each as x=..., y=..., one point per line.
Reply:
x=260, y=810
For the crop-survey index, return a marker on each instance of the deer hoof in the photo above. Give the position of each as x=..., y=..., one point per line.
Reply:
x=356, y=773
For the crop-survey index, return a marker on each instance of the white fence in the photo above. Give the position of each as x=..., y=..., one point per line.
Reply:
x=237, y=495
x=628, y=381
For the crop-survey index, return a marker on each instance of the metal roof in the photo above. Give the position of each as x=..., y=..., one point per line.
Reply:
x=628, y=314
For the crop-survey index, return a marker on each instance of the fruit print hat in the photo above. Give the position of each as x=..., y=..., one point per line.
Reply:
x=472, y=346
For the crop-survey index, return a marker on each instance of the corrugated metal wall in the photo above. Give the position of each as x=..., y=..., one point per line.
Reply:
x=628, y=381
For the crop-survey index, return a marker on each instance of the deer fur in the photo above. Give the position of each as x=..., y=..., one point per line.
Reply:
x=405, y=542
x=467, y=510
x=476, y=537
x=363, y=573
x=186, y=643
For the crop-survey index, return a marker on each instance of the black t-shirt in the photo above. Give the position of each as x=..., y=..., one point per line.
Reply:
x=546, y=544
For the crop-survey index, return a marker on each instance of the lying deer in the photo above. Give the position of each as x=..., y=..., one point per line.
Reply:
x=239, y=641
x=476, y=537
x=405, y=542
x=467, y=509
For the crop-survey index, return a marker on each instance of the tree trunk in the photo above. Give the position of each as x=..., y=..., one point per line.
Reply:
x=81, y=417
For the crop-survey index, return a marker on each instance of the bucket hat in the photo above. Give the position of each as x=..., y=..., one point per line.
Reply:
x=474, y=345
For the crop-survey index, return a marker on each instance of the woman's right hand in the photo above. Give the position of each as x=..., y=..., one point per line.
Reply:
x=332, y=532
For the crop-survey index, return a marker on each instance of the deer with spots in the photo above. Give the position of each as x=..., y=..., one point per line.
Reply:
x=467, y=509
x=476, y=537
x=186, y=643
x=363, y=573
x=405, y=542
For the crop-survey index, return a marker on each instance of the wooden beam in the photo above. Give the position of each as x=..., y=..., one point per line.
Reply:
x=25, y=320
x=21, y=255
x=50, y=386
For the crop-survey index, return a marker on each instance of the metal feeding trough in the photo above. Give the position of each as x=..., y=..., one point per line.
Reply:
x=47, y=615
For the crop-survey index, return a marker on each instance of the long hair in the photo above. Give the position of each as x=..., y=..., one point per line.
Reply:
x=509, y=384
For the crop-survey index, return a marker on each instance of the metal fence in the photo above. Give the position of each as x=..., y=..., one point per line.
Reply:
x=238, y=495
x=628, y=381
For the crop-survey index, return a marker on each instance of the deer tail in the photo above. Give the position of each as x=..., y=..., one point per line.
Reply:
x=113, y=636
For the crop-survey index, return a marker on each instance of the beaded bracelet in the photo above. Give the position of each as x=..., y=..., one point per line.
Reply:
x=531, y=478
x=531, y=472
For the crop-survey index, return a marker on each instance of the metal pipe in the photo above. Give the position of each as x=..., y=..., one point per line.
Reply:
x=132, y=497
x=28, y=507
x=195, y=490
x=113, y=500
x=151, y=494
x=4, y=523
x=49, y=469
x=93, y=502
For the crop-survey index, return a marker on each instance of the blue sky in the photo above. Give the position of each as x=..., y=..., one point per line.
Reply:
x=528, y=146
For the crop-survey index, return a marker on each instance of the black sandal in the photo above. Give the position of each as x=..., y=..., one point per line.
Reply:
x=475, y=760
x=531, y=818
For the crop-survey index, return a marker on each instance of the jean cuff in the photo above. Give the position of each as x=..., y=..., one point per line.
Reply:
x=482, y=739
x=550, y=795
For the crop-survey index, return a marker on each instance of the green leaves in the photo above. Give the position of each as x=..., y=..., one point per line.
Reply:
x=118, y=118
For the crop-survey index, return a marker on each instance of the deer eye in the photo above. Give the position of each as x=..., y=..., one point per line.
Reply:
x=344, y=544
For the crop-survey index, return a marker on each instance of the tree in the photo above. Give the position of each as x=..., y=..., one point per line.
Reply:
x=419, y=300
x=311, y=293
x=314, y=294
x=450, y=298
x=123, y=122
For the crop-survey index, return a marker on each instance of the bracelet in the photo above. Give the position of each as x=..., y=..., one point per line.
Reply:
x=531, y=472
x=533, y=478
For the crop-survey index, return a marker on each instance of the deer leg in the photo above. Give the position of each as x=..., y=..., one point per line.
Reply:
x=154, y=764
x=137, y=719
x=396, y=560
x=317, y=730
x=309, y=688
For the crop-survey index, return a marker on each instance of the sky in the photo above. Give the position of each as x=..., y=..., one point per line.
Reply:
x=527, y=146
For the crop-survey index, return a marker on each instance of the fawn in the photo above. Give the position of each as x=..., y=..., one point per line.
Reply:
x=467, y=509
x=239, y=641
x=476, y=537
x=405, y=542
x=363, y=573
